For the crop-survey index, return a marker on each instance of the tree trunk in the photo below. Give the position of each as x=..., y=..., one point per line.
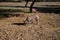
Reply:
x=32, y=5
x=26, y=3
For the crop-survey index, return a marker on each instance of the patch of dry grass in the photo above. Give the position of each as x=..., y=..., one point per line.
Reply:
x=47, y=29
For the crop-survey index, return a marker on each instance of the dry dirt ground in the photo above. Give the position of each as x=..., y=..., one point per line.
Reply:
x=47, y=29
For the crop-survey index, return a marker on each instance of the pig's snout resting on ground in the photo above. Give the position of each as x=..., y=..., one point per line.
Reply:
x=32, y=19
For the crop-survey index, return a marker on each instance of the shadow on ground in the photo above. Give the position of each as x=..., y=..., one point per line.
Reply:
x=2, y=16
x=18, y=24
x=45, y=9
x=48, y=10
x=39, y=9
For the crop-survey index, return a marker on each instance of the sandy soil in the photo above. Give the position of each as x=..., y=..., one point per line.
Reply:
x=47, y=29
